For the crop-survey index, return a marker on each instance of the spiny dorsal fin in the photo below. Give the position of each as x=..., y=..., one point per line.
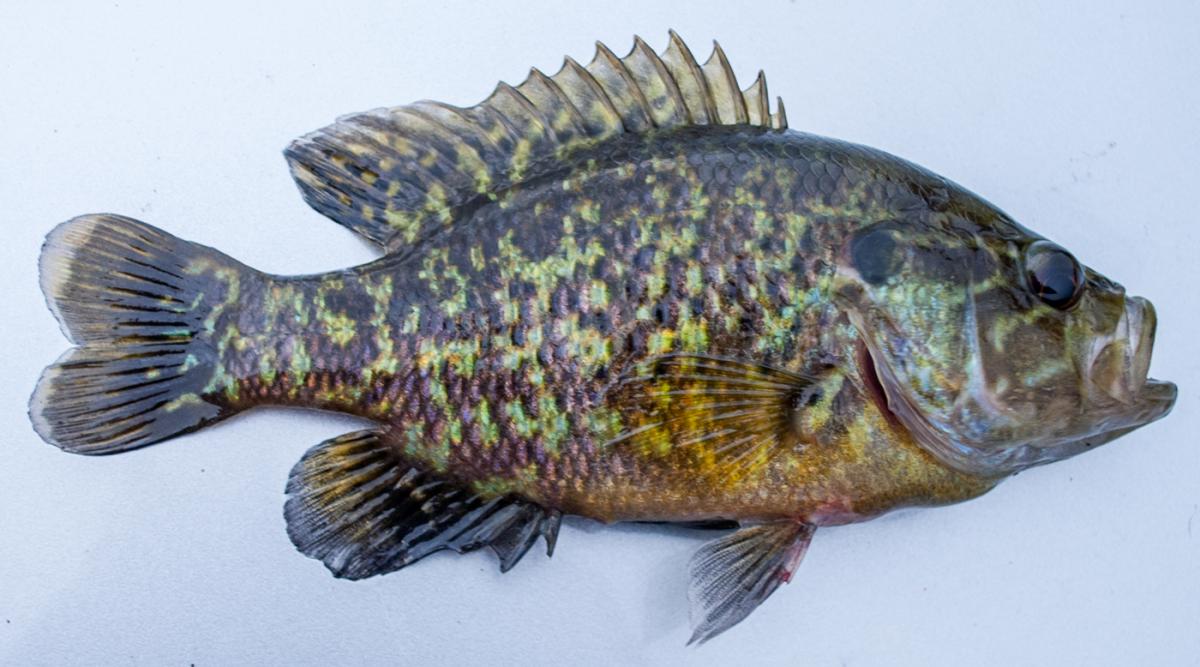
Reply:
x=394, y=175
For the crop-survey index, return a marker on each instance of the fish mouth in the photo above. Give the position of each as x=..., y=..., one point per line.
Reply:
x=1144, y=324
x=1150, y=401
x=1125, y=396
x=1120, y=362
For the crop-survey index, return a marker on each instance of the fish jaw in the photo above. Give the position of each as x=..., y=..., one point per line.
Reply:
x=1112, y=416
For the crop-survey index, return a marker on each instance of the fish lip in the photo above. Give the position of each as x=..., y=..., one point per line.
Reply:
x=1152, y=402
x=1146, y=322
x=1145, y=399
x=1120, y=366
x=1155, y=401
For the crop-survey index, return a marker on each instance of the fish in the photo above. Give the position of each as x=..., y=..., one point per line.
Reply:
x=626, y=291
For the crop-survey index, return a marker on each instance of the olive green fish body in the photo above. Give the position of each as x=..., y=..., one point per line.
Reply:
x=627, y=292
x=494, y=351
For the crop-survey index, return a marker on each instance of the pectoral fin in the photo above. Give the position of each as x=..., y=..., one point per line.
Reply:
x=714, y=415
x=732, y=575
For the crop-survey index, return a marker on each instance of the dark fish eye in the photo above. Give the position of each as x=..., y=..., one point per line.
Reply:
x=1054, y=275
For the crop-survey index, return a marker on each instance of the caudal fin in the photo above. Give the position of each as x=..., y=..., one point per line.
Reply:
x=140, y=304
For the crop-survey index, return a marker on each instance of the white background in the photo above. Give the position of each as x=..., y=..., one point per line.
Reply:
x=1082, y=121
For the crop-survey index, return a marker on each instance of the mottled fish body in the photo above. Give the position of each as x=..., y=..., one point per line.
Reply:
x=626, y=292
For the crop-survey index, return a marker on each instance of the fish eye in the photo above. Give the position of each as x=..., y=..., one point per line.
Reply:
x=1054, y=275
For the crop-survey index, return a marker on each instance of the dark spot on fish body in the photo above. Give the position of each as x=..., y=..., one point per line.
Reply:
x=808, y=242
x=747, y=323
x=598, y=320
x=645, y=258
x=873, y=254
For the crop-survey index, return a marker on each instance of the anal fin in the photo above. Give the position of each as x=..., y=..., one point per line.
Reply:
x=358, y=505
x=733, y=574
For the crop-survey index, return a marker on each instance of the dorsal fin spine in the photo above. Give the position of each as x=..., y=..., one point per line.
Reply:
x=635, y=92
x=696, y=76
x=728, y=80
x=756, y=100
x=596, y=88
x=672, y=88
x=563, y=101
x=528, y=107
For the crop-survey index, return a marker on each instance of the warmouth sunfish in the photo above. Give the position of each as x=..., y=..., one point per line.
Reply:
x=627, y=292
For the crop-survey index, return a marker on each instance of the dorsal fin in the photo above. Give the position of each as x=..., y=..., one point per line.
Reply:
x=394, y=175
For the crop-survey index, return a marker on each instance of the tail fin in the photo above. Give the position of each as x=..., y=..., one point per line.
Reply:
x=139, y=303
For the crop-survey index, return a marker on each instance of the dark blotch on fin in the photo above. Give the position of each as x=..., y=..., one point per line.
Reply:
x=356, y=504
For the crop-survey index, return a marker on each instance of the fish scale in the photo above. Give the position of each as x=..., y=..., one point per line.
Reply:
x=625, y=291
x=540, y=380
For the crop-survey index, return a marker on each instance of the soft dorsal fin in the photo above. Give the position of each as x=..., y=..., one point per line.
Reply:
x=393, y=175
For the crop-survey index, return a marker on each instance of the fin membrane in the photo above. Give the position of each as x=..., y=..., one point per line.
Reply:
x=395, y=175
x=719, y=415
x=732, y=575
x=136, y=300
x=361, y=508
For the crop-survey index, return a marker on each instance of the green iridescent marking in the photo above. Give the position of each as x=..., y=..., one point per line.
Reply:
x=339, y=327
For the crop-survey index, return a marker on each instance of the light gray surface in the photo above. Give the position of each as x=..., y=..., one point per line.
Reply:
x=1080, y=121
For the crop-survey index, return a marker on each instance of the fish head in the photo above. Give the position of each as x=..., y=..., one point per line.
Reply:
x=993, y=346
